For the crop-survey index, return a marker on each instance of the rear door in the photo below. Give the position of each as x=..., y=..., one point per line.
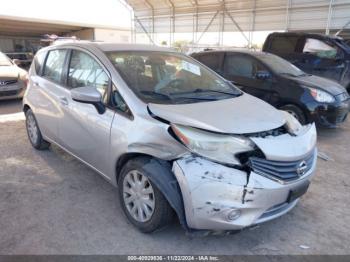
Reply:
x=83, y=131
x=243, y=70
x=46, y=92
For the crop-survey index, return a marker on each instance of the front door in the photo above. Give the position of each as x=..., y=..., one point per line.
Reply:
x=249, y=75
x=322, y=59
x=83, y=131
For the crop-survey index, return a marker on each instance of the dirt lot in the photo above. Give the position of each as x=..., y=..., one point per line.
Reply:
x=52, y=204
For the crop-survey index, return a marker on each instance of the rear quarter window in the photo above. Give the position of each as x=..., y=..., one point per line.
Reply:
x=283, y=44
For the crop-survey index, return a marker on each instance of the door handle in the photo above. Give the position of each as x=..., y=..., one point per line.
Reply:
x=63, y=101
x=36, y=84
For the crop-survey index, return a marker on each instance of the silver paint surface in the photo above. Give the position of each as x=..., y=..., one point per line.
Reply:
x=99, y=140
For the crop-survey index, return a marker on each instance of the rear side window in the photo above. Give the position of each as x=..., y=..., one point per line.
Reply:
x=283, y=44
x=211, y=60
x=239, y=66
x=39, y=62
x=54, y=65
x=86, y=71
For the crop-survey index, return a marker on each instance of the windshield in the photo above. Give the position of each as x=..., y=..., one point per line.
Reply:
x=4, y=60
x=169, y=78
x=280, y=66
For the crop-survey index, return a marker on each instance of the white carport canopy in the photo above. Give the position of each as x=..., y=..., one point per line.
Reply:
x=200, y=16
x=29, y=27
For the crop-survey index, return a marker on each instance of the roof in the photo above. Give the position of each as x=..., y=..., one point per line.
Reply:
x=109, y=46
x=306, y=34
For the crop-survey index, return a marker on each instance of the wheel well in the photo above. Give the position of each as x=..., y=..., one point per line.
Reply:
x=25, y=108
x=348, y=88
x=298, y=106
x=124, y=159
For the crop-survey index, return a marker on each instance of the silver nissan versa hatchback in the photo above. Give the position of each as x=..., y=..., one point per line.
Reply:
x=174, y=136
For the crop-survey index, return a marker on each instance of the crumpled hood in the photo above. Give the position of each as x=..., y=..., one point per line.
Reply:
x=321, y=83
x=8, y=72
x=239, y=115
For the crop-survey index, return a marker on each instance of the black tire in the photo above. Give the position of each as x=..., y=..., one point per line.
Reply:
x=162, y=214
x=296, y=112
x=37, y=142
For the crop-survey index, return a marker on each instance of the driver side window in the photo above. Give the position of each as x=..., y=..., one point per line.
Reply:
x=241, y=66
x=320, y=49
x=85, y=71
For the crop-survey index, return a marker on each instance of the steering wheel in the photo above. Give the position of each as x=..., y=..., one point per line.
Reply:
x=166, y=83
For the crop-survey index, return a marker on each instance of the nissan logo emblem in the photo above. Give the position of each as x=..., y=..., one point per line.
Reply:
x=302, y=167
x=2, y=83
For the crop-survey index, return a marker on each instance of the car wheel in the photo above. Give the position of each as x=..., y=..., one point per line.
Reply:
x=142, y=202
x=34, y=133
x=296, y=112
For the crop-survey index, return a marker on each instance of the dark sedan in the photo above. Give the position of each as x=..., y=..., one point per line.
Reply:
x=307, y=97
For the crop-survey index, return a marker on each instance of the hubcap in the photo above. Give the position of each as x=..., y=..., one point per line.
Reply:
x=138, y=196
x=32, y=129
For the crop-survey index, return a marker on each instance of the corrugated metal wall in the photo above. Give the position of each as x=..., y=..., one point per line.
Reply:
x=180, y=16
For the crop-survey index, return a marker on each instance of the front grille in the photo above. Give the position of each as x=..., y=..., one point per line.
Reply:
x=281, y=170
x=9, y=93
x=273, y=132
x=343, y=96
x=7, y=82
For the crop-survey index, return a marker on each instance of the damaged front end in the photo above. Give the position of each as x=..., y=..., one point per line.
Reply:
x=232, y=182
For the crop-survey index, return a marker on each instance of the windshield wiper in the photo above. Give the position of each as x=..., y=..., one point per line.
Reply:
x=292, y=75
x=200, y=90
x=172, y=98
x=156, y=93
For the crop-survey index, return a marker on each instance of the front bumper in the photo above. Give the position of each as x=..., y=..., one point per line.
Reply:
x=211, y=192
x=12, y=91
x=331, y=115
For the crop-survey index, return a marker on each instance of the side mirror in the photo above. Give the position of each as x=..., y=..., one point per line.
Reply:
x=16, y=61
x=88, y=95
x=263, y=75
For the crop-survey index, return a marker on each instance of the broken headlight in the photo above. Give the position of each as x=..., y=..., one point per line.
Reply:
x=216, y=147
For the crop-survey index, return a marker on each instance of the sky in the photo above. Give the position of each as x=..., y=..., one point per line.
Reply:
x=102, y=12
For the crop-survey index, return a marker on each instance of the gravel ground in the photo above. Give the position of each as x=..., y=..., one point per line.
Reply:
x=52, y=204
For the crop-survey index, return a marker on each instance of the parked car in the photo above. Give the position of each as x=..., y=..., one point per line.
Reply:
x=13, y=80
x=307, y=97
x=170, y=133
x=322, y=55
x=23, y=59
